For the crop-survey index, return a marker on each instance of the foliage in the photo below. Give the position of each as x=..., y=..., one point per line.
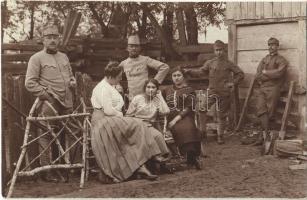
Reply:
x=110, y=19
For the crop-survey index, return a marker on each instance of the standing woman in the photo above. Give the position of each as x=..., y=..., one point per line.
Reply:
x=148, y=106
x=120, y=144
x=180, y=99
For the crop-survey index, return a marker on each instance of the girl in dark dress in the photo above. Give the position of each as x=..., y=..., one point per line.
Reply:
x=181, y=100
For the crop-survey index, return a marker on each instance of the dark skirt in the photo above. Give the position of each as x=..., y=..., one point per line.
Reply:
x=185, y=131
x=121, y=144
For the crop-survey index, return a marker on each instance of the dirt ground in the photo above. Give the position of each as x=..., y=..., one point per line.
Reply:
x=230, y=170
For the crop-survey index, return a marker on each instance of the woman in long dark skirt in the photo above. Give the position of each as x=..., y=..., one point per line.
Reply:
x=181, y=99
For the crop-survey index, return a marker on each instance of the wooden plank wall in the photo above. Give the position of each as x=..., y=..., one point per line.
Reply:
x=264, y=10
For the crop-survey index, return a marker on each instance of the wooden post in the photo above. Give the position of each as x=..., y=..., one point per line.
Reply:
x=302, y=26
x=232, y=54
x=19, y=162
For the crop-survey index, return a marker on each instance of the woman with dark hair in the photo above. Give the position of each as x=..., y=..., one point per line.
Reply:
x=180, y=99
x=120, y=144
x=148, y=106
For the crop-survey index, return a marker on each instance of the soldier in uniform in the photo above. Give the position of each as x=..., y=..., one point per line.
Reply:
x=136, y=67
x=269, y=78
x=221, y=83
x=49, y=77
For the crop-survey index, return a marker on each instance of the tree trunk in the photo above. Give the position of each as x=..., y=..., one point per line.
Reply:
x=191, y=24
x=181, y=27
x=104, y=28
x=4, y=16
x=143, y=26
x=32, y=11
x=167, y=44
x=168, y=24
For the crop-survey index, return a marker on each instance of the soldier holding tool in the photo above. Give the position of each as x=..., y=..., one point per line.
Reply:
x=268, y=81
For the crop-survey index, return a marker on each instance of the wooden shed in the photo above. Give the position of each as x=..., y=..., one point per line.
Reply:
x=251, y=24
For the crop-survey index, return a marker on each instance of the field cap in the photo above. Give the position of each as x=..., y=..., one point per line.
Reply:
x=134, y=39
x=273, y=41
x=219, y=44
x=51, y=30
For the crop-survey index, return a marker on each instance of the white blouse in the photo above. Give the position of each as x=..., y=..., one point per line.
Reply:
x=105, y=96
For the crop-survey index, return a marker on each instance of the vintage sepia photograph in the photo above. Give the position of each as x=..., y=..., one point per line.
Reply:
x=147, y=99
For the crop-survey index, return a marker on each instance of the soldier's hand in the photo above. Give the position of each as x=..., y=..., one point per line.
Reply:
x=46, y=97
x=264, y=71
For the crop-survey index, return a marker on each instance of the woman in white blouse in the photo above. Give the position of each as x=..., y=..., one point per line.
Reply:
x=121, y=145
x=148, y=106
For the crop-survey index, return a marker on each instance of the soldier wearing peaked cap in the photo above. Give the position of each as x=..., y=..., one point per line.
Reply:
x=221, y=83
x=270, y=75
x=49, y=77
x=136, y=67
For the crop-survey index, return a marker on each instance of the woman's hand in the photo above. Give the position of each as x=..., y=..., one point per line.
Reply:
x=174, y=121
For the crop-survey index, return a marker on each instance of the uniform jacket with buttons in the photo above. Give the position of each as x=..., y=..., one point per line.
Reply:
x=136, y=70
x=276, y=67
x=50, y=73
x=220, y=73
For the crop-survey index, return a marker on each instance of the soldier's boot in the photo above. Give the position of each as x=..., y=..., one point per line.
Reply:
x=220, y=134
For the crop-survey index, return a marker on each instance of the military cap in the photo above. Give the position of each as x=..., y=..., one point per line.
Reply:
x=273, y=41
x=51, y=30
x=134, y=39
x=219, y=43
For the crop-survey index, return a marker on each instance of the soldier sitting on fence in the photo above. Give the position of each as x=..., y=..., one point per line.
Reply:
x=221, y=84
x=49, y=77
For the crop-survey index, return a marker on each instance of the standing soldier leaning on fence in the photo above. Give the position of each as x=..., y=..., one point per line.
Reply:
x=221, y=84
x=49, y=77
x=136, y=67
x=269, y=78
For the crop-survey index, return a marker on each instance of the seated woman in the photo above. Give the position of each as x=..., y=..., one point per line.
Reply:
x=121, y=145
x=148, y=106
x=180, y=99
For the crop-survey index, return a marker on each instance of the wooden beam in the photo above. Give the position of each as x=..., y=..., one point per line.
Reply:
x=232, y=45
x=200, y=48
x=16, y=57
x=22, y=47
x=268, y=21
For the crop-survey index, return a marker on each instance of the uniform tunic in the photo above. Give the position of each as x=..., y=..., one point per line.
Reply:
x=50, y=73
x=136, y=70
x=267, y=86
x=120, y=144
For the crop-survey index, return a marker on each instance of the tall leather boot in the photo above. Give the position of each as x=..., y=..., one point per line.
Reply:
x=220, y=134
x=264, y=119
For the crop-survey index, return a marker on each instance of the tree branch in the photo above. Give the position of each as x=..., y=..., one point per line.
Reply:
x=104, y=28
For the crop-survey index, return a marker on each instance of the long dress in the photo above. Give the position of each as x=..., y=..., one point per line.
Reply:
x=181, y=102
x=120, y=144
x=148, y=110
